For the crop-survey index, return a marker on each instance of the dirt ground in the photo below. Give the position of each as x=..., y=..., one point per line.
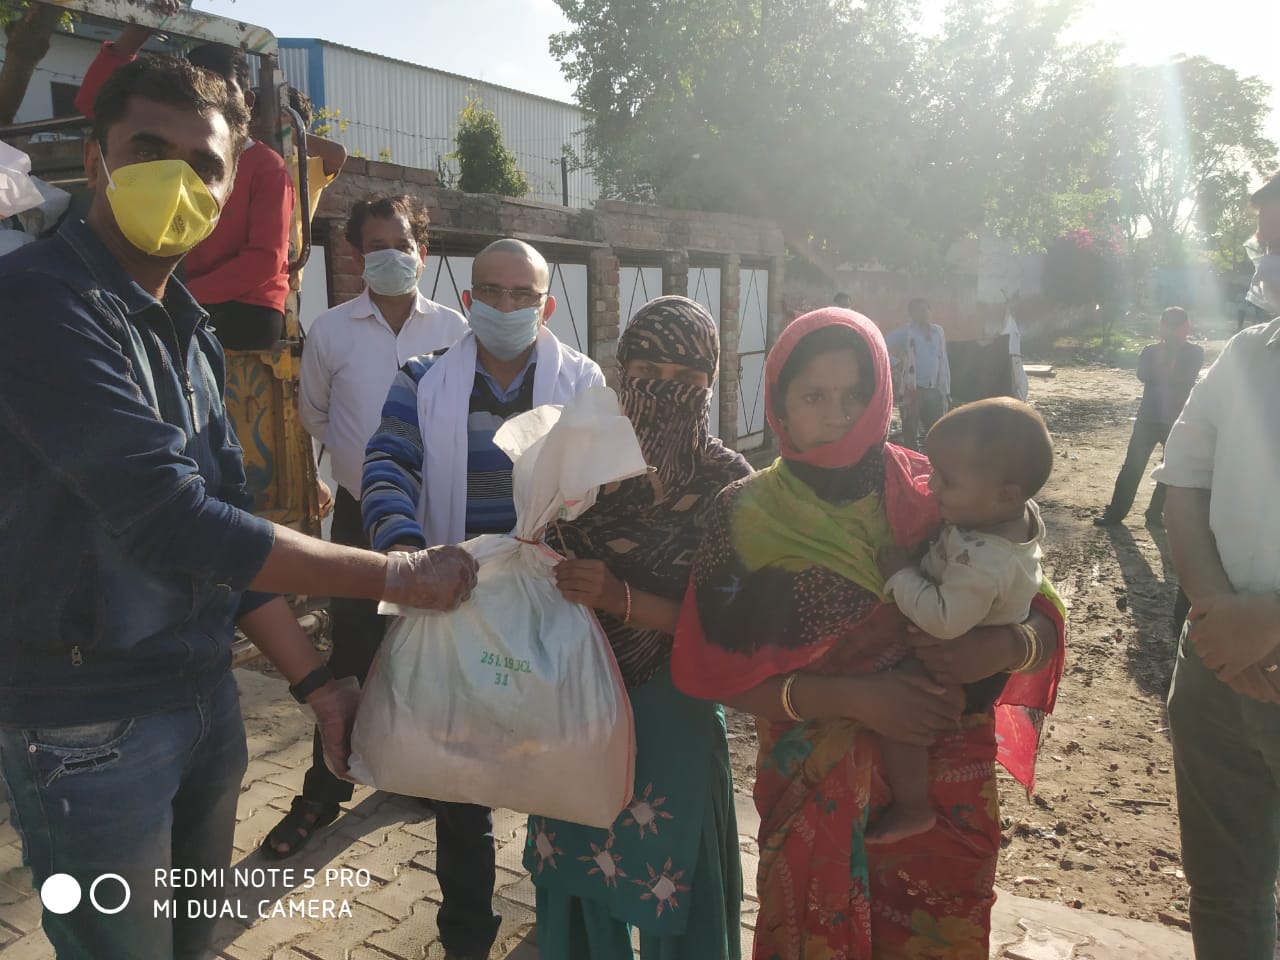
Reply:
x=1101, y=831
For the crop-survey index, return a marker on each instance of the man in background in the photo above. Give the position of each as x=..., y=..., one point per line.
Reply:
x=921, y=348
x=353, y=354
x=1168, y=371
x=437, y=431
x=240, y=272
x=325, y=160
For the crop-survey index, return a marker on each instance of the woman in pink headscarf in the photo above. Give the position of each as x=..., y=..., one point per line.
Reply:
x=785, y=619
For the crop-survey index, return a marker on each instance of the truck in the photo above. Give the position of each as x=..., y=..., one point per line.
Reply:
x=262, y=386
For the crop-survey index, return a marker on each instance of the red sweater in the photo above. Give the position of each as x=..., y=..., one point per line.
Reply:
x=246, y=258
x=104, y=65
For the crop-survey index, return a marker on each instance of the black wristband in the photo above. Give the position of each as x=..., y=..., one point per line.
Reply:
x=309, y=684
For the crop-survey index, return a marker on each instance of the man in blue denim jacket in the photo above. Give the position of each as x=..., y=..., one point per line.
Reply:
x=126, y=554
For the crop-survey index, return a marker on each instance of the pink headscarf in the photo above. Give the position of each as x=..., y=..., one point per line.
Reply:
x=912, y=512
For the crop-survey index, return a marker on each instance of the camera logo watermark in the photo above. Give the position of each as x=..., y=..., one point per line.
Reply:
x=189, y=893
x=61, y=893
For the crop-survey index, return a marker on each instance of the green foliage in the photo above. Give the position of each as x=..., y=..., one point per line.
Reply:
x=326, y=120
x=11, y=10
x=1081, y=269
x=485, y=164
x=1012, y=124
x=869, y=142
x=1187, y=135
x=447, y=175
x=835, y=119
x=1228, y=221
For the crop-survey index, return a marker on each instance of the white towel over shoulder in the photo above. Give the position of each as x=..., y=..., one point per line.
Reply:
x=444, y=397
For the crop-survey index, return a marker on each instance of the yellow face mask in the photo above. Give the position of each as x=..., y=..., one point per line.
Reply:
x=162, y=207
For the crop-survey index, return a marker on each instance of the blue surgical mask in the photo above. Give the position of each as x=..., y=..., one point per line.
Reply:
x=391, y=273
x=505, y=335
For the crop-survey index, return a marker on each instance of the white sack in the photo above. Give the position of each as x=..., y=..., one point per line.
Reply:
x=54, y=203
x=17, y=192
x=513, y=700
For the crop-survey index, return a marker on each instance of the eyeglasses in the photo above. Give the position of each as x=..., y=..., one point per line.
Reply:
x=521, y=297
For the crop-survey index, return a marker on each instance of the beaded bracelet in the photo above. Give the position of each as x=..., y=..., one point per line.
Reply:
x=626, y=616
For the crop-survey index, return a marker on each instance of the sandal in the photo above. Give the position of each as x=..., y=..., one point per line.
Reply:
x=299, y=825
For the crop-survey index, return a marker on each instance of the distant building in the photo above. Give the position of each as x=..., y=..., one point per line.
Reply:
x=56, y=79
x=389, y=106
x=411, y=113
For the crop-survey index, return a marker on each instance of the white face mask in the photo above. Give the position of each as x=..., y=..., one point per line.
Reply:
x=1264, y=290
x=391, y=273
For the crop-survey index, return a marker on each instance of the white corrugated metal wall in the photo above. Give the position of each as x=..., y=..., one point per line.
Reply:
x=412, y=112
x=293, y=63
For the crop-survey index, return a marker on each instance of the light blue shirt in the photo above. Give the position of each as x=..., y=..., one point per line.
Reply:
x=513, y=390
x=933, y=372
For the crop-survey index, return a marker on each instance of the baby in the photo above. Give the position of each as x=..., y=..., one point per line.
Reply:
x=989, y=459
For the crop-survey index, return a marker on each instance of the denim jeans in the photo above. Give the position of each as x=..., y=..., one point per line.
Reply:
x=130, y=797
x=1226, y=758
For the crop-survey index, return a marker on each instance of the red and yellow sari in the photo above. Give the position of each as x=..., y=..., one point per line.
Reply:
x=786, y=580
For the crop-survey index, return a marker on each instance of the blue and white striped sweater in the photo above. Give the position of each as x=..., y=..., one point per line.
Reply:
x=392, y=481
x=391, y=486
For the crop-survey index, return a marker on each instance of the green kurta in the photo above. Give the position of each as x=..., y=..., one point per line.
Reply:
x=669, y=867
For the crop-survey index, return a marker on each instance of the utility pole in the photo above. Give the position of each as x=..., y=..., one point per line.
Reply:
x=564, y=178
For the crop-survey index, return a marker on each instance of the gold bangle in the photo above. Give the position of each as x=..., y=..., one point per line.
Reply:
x=1034, y=648
x=1030, y=643
x=626, y=616
x=788, y=707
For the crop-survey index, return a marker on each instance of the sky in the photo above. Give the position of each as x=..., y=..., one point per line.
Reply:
x=505, y=41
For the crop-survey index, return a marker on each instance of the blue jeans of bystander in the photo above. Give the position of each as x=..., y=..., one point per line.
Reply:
x=131, y=798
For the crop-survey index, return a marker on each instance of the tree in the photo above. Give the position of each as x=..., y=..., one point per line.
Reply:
x=485, y=164
x=1229, y=221
x=788, y=109
x=1187, y=134
x=28, y=29
x=865, y=141
x=1014, y=125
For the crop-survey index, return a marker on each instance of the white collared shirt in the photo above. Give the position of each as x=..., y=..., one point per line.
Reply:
x=1227, y=441
x=350, y=358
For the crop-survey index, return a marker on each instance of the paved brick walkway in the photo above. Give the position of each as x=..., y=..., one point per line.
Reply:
x=389, y=893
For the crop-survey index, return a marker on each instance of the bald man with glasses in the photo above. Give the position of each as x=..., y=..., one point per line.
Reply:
x=439, y=423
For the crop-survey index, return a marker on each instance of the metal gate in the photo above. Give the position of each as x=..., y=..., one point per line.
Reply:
x=753, y=345
x=636, y=287
x=444, y=278
x=704, y=286
x=569, y=287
